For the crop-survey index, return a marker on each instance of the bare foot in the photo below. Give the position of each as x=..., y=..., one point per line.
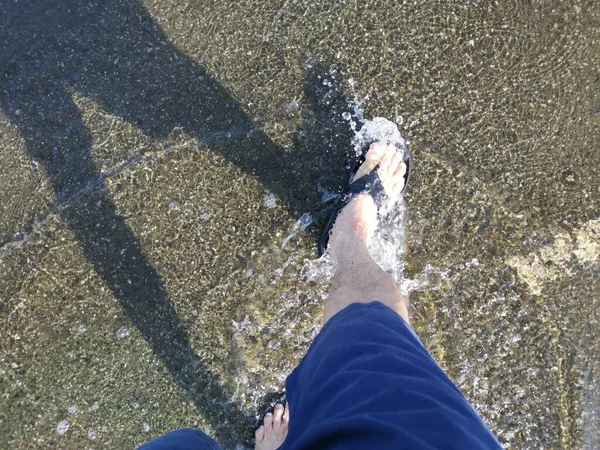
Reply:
x=271, y=434
x=359, y=217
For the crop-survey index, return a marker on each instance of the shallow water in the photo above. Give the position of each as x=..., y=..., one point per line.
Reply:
x=167, y=168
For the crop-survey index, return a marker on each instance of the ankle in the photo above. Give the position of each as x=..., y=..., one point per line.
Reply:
x=350, y=248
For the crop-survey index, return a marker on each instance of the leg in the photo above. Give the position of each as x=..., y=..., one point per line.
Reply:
x=367, y=381
x=358, y=279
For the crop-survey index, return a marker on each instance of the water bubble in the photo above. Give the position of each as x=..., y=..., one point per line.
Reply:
x=81, y=328
x=239, y=326
x=62, y=427
x=346, y=115
x=292, y=106
x=399, y=120
x=123, y=333
x=72, y=409
x=145, y=427
x=173, y=206
x=14, y=365
x=91, y=434
x=270, y=199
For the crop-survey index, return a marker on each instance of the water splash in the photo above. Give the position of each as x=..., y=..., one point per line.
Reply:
x=387, y=243
x=375, y=130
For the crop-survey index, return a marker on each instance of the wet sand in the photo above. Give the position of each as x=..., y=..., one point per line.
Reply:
x=157, y=155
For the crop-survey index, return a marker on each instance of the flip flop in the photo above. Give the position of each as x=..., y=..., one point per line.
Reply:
x=273, y=399
x=369, y=183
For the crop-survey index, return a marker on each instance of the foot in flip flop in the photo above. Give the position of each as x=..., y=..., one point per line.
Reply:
x=358, y=218
x=271, y=434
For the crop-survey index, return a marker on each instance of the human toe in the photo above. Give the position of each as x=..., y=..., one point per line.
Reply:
x=278, y=412
x=372, y=158
x=268, y=422
x=259, y=434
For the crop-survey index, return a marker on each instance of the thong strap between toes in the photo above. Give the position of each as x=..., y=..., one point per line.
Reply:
x=367, y=184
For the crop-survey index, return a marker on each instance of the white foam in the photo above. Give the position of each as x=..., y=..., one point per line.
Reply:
x=378, y=129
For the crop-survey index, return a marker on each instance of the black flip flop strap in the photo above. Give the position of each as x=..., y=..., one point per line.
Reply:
x=367, y=184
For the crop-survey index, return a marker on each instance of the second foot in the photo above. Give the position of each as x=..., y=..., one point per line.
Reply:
x=271, y=434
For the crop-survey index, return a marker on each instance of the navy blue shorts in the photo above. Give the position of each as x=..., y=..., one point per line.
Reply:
x=367, y=382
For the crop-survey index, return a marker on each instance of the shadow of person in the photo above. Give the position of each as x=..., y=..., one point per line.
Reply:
x=116, y=54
